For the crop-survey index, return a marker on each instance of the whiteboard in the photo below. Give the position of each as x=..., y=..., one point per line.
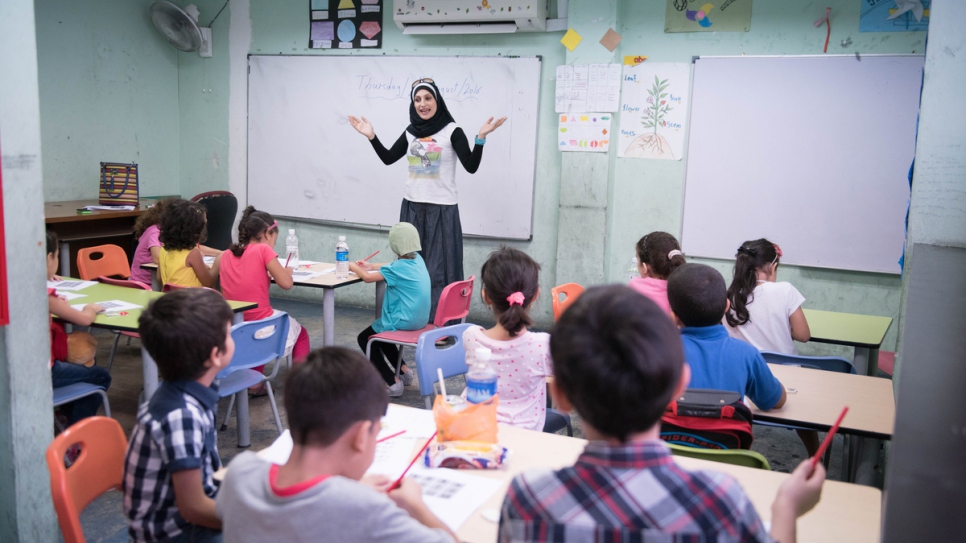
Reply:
x=306, y=161
x=812, y=153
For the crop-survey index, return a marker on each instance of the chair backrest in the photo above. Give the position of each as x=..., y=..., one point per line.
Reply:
x=98, y=468
x=220, y=207
x=825, y=363
x=450, y=358
x=738, y=457
x=258, y=342
x=126, y=283
x=102, y=260
x=570, y=292
x=454, y=302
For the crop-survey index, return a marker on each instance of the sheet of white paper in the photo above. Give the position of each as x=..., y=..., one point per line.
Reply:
x=328, y=271
x=393, y=456
x=279, y=451
x=302, y=263
x=110, y=208
x=70, y=295
x=453, y=495
x=70, y=284
x=110, y=305
x=418, y=424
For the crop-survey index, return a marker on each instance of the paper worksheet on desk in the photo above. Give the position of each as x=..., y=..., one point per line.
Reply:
x=453, y=495
x=587, y=87
x=302, y=263
x=110, y=305
x=70, y=284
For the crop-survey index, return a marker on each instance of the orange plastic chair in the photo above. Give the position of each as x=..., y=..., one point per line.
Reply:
x=570, y=291
x=98, y=468
x=102, y=260
x=126, y=283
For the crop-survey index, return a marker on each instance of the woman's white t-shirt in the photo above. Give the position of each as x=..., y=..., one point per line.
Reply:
x=769, y=307
x=432, y=168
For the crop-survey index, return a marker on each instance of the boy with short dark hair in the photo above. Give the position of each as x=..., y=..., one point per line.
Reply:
x=335, y=402
x=618, y=362
x=172, y=456
x=699, y=300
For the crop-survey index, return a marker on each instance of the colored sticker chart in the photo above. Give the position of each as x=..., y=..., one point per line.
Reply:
x=705, y=16
x=888, y=16
x=345, y=24
x=584, y=132
x=587, y=87
x=654, y=110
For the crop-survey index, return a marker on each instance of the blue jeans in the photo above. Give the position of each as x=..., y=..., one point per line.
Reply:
x=64, y=373
x=193, y=533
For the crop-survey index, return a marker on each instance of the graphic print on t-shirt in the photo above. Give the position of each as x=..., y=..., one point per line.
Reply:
x=424, y=155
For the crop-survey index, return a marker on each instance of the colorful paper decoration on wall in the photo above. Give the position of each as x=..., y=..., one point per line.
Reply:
x=654, y=109
x=611, y=39
x=571, y=39
x=705, y=16
x=584, y=132
x=352, y=24
x=893, y=16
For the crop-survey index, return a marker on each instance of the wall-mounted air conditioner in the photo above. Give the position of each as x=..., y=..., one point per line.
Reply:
x=471, y=16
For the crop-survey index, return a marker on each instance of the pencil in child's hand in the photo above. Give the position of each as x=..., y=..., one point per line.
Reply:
x=828, y=437
x=395, y=485
x=366, y=259
x=287, y=260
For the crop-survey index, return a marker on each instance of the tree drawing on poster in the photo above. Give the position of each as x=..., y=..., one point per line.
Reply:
x=653, y=111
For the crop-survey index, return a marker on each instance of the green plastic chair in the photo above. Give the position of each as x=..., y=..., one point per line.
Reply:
x=738, y=457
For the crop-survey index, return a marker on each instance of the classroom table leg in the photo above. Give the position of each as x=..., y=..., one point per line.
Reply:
x=150, y=373
x=865, y=452
x=237, y=317
x=155, y=282
x=380, y=293
x=328, y=317
x=64, y=259
x=241, y=418
x=866, y=361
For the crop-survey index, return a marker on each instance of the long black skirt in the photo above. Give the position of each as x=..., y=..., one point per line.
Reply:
x=441, y=237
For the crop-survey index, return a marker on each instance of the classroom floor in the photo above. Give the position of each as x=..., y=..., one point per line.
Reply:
x=104, y=520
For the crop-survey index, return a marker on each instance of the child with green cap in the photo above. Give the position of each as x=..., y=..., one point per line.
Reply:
x=405, y=306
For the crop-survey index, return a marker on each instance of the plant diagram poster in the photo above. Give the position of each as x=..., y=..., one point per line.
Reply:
x=345, y=24
x=654, y=109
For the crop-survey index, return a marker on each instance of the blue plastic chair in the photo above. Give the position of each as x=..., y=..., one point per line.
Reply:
x=825, y=363
x=256, y=343
x=76, y=391
x=450, y=358
x=556, y=421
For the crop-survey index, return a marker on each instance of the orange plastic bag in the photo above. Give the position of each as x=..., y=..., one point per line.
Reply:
x=476, y=422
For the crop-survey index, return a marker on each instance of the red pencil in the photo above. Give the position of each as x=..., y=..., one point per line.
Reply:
x=828, y=437
x=395, y=485
x=366, y=259
x=287, y=260
x=399, y=433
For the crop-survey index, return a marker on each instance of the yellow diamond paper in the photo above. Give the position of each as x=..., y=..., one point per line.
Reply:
x=571, y=39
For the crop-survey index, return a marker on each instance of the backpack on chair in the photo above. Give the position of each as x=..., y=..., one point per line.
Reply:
x=707, y=419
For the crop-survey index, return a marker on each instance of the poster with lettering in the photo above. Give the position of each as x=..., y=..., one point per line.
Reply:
x=654, y=109
x=892, y=16
x=705, y=16
x=345, y=24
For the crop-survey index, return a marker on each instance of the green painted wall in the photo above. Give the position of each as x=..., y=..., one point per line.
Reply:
x=108, y=92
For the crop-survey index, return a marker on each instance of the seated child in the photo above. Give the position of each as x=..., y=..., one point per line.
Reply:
x=72, y=355
x=335, y=402
x=618, y=362
x=172, y=455
x=405, y=306
x=180, y=261
x=521, y=358
x=147, y=231
x=658, y=254
x=699, y=301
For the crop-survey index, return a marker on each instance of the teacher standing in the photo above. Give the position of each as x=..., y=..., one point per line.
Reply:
x=431, y=143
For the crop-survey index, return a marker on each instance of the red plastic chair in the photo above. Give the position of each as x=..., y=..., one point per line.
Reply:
x=102, y=260
x=126, y=283
x=570, y=291
x=98, y=468
x=454, y=305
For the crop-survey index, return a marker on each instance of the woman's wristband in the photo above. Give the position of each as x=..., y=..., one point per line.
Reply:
x=480, y=141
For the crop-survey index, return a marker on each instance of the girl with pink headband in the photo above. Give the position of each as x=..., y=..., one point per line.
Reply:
x=521, y=358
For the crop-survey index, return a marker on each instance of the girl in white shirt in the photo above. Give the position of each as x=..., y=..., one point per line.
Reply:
x=521, y=358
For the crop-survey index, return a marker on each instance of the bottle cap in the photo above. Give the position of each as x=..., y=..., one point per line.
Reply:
x=483, y=354
x=291, y=231
x=341, y=238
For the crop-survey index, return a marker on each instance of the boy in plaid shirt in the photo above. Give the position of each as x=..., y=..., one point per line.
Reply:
x=618, y=362
x=172, y=456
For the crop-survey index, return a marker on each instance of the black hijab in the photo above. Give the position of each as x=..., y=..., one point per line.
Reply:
x=425, y=128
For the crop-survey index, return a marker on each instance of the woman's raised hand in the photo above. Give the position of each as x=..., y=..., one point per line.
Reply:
x=363, y=126
x=488, y=126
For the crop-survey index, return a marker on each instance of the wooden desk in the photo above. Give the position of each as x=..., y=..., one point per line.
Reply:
x=129, y=323
x=88, y=230
x=862, y=332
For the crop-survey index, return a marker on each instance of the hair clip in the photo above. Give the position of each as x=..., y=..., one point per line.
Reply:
x=778, y=250
x=674, y=253
x=516, y=298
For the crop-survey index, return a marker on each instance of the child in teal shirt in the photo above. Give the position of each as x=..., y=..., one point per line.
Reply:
x=405, y=306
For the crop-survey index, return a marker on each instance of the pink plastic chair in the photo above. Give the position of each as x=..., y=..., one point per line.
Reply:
x=454, y=304
x=126, y=283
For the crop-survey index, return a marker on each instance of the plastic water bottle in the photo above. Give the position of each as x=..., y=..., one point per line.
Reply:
x=342, y=259
x=292, y=249
x=632, y=271
x=481, y=379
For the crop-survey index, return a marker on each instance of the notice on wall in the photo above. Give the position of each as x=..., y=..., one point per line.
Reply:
x=584, y=132
x=587, y=87
x=654, y=109
x=345, y=24
x=892, y=16
x=704, y=16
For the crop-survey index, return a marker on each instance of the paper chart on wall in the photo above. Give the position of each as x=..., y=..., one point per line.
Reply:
x=584, y=132
x=453, y=495
x=587, y=87
x=654, y=110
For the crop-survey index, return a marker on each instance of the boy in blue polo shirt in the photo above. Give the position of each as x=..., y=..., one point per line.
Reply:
x=169, y=488
x=405, y=307
x=699, y=300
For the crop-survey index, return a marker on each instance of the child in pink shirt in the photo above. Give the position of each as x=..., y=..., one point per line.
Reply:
x=520, y=358
x=658, y=254
x=244, y=269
